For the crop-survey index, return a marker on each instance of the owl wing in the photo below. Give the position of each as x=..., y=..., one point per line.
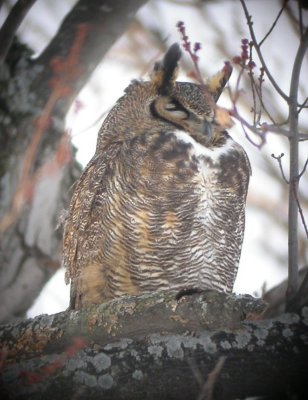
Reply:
x=81, y=225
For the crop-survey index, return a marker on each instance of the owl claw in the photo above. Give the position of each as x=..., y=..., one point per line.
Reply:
x=187, y=292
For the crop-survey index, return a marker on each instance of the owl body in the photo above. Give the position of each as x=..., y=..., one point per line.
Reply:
x=161, y=204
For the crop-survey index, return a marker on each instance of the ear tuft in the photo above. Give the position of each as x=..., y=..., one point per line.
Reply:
x=217, y=82
x=165, y=72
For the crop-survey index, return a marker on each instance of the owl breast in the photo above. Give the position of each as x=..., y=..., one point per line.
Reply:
x=178, y=221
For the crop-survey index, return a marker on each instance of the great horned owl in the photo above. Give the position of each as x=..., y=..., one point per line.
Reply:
x=161, y=204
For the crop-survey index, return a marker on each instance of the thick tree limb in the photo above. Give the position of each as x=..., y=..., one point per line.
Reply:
x=144, y=348
x=11, y=24
x=105, y=21
x=84, y=37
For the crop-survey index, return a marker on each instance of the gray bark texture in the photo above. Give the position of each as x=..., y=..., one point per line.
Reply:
x=30, y=247
x=203, y=346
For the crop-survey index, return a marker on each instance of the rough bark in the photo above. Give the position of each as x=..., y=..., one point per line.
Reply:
x=30, y=248
x=154, y=346
x=276, y=297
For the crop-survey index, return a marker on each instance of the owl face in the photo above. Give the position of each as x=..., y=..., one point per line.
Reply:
x=171, y=105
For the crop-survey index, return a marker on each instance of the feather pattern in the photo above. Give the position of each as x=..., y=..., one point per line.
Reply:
x=162, y=203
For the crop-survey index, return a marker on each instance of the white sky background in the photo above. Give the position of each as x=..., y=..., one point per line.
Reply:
x=108, y=82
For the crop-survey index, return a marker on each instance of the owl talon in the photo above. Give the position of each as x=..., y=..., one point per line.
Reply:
x=187, y=292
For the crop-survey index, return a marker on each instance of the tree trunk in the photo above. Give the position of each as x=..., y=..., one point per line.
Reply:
x=154, y=346
x=34, y=98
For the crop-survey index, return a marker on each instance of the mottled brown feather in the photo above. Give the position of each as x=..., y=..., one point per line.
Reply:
x=161, y=204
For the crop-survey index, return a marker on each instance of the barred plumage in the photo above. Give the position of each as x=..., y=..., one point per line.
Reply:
x=161, y=204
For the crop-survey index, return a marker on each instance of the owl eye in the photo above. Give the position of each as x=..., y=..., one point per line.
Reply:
x=177, y=110
x=169, y=109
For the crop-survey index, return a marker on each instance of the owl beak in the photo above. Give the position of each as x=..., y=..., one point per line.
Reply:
x=207, y=129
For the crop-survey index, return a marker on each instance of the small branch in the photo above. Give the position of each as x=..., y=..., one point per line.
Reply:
x=208, y=387
x=278, y=158
x=196, y=371
x=303, y=170
x=300, y=210
x=11, y=24
x=259, y=93
x=254, y=130
x=259, y=132
x=303, y=105
x=192, y=53
x=274, y=23
x=277, y=129
x=283, y=132
x=257, y=47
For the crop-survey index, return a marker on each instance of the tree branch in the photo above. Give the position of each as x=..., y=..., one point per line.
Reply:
x=105, y=20
x=303, y=105
x=283, y=132
x=274, y=23
x=303, y=170
x=68, y=61
x=278, y=158
x=130, y=316
x=11, y=24
x=260, y=55
x=294, y=174
x=144, y=348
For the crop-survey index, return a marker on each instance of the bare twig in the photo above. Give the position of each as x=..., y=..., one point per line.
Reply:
x=256, y=114
x=192, y=53
x=294, y=174
x=303, y=105
x=277, y=129
x=260, y=132
x=207, y=387
x=274, y=23
x=260, y=55
x=278, y=158
x=303, y=170
x=11, y=24
x=283, y=132
x=300, y=210
x=196, y=371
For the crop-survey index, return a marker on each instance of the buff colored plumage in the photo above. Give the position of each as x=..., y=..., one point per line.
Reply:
x=161, y=204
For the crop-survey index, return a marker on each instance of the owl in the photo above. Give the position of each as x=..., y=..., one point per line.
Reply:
x=161, y=205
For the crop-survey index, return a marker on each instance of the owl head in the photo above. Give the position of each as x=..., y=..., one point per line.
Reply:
x=164, y=104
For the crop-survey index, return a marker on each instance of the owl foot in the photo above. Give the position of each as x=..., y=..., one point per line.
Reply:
x=187, y=292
